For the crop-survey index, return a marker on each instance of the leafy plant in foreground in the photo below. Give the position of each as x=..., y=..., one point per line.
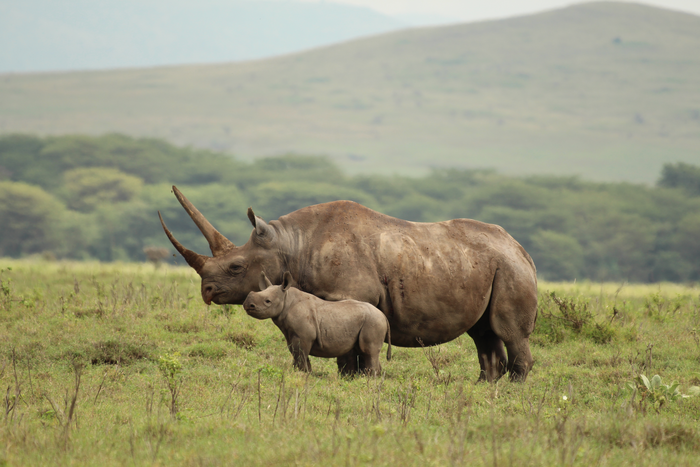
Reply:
x=171, y=369
x=656, y=393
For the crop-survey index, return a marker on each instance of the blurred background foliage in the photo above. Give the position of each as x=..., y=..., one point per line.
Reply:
x=88, y=197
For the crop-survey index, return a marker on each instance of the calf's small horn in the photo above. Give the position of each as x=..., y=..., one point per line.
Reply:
x=219, y=244
x=195, y=260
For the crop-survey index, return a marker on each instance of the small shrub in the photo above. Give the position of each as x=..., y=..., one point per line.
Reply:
x=601, y=333
x=224, y=310
x=88, y=312
x=108, y=352
x=270, y=371
x=574, y=313
x=207, y=350
x=6, y=291
x=630, y=334
x=113, y=352
x=183, y=327
x=659, y=307
x=619, y=433
x=674, y=436
x=244, y=340
x=560, y=317
x=155, y=254
x=548, y=331
x=170, y=367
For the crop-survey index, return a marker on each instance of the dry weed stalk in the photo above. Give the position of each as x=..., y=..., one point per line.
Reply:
x=67, y=416
x=437, y=362
x=11, y=400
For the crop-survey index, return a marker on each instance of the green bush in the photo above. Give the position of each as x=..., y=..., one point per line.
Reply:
x=562, y=318
x=114, y=185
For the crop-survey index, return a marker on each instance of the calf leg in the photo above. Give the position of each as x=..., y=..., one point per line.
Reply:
x=300, y=352
x=370, y=343
x=372, y=366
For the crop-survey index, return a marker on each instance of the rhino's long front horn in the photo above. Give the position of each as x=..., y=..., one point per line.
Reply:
x=195, y=260
x=219, y=244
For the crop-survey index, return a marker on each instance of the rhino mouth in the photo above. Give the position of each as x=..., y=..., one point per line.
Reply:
x=210, y=295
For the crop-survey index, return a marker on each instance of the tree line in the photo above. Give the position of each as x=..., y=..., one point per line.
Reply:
x=84, y=197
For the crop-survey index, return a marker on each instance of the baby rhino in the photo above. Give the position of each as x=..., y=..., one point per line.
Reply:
x=313, y=326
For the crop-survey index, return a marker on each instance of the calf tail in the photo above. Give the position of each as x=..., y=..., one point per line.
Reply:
x=388, y=339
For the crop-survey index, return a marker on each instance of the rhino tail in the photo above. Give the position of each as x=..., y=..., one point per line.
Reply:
x=388, y=339
x=319, y=336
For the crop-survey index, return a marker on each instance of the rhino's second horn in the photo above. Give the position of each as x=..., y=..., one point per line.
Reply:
x=195, y=260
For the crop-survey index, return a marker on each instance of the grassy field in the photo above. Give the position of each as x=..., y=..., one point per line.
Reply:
x=609, y=91
x=122, y=364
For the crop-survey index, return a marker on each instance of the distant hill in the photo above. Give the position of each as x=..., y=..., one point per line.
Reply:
x=44, y=35
x=609, y=91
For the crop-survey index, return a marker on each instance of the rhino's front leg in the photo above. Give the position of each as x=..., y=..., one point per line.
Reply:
x=300, y=352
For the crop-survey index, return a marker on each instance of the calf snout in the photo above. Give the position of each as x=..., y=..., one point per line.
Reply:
x=253, y=307
x=248, y=303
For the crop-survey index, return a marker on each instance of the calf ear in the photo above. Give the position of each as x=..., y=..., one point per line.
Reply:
x=262, y=230
x=264, y=281
x=287, y=281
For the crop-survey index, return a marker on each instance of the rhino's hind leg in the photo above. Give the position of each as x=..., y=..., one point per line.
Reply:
x=519, y=359
x=513, y=311
x=492, y=355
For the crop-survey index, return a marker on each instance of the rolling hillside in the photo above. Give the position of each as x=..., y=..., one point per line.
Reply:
x=608, y=91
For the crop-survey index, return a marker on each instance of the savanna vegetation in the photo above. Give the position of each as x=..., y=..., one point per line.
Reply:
x=123, y=364
x=81, y=197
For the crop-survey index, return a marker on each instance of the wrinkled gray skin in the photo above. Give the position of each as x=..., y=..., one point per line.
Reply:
x=318, y=327
x=433, y=281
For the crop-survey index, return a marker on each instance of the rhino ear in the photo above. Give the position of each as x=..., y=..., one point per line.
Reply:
x=287, y=281
x=264, y=282
x=261, y=228
x=251, y=216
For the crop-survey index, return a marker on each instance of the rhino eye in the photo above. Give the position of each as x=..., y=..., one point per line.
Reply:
x=235, y=268
x=267, y=302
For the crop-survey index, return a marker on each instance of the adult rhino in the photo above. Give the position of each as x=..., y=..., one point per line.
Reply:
x=433, y=281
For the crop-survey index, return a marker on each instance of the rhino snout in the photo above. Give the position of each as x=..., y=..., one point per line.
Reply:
x=208, y=293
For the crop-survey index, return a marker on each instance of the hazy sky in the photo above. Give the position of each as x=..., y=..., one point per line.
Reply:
x=471, y=10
